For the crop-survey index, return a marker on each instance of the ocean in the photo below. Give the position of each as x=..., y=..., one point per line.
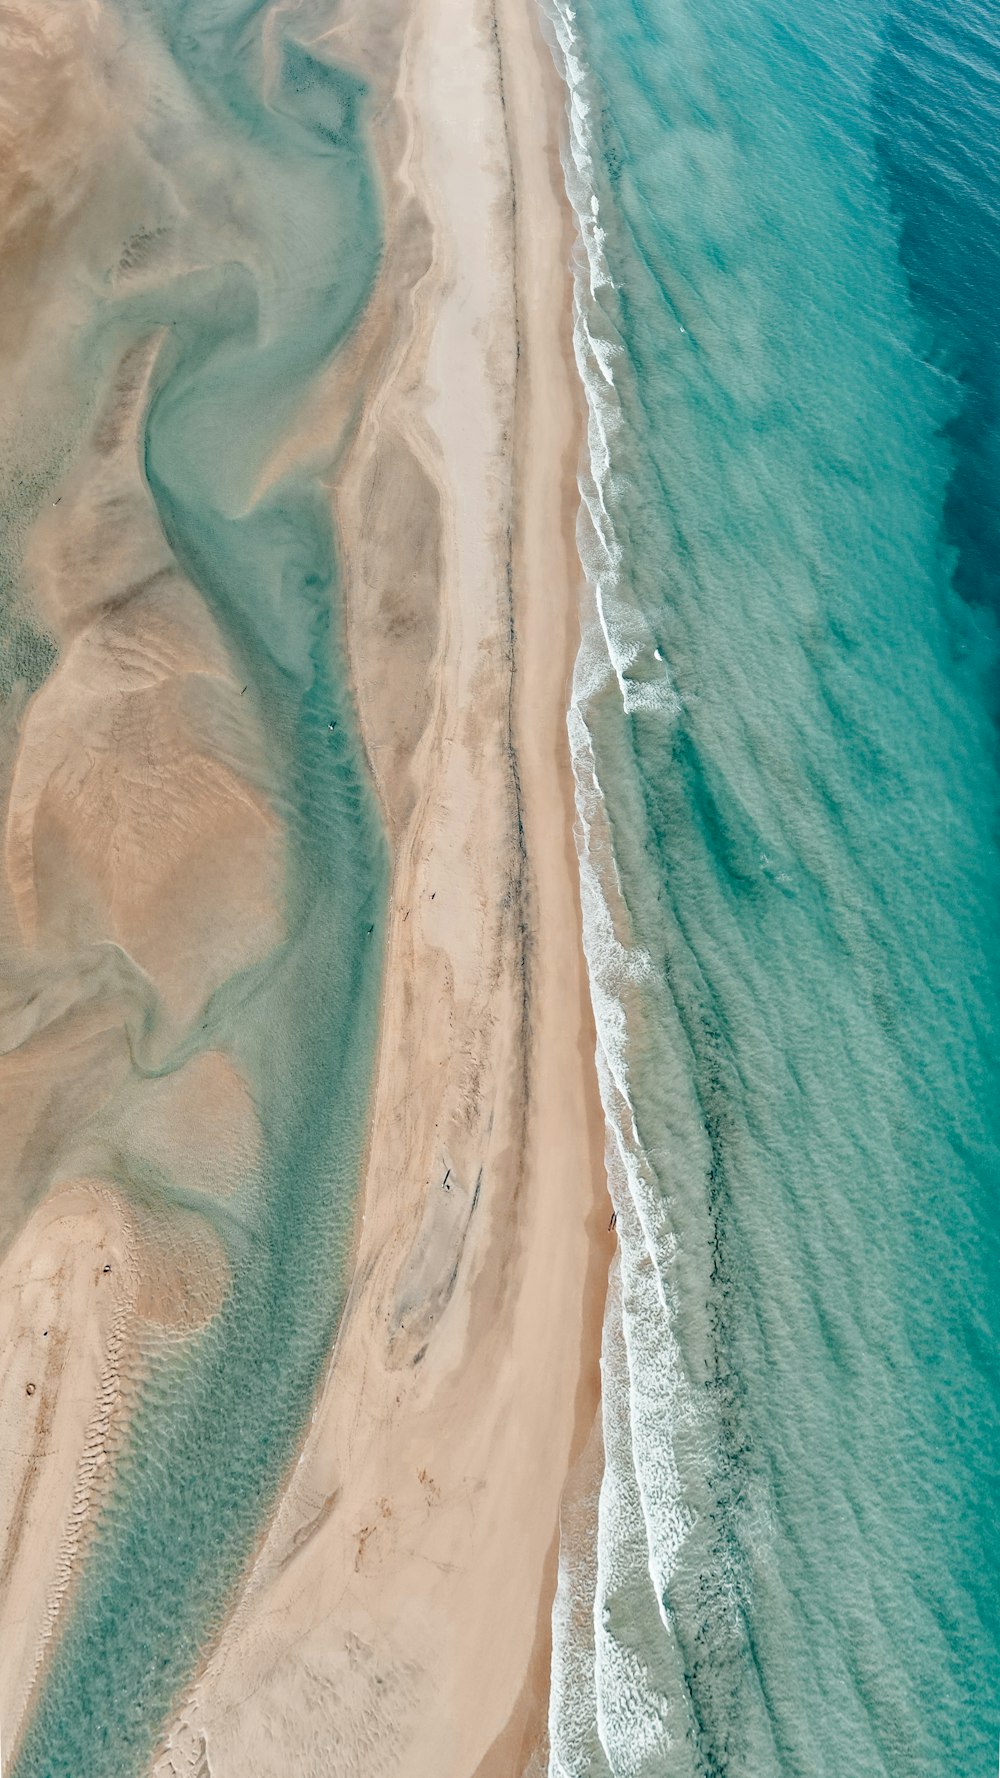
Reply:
x=269, y=145
x=784, y=732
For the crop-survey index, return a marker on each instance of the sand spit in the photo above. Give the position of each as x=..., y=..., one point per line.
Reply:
x=397, y=1617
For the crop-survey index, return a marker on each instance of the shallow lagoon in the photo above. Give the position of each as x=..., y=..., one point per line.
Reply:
x=276, y=150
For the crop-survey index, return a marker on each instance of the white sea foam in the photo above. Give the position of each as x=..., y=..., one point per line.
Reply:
x=645, y=1394
x=604, y=1679
x=632, y=1714
x=574, y=1744
x=631, y=647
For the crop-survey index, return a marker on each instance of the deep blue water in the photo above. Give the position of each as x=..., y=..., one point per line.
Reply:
x=935, y=96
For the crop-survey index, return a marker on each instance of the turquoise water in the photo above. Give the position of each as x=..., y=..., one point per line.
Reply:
x=219, y=1414
x=785, y=733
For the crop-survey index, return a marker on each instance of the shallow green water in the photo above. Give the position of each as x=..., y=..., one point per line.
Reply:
x=219, y=1415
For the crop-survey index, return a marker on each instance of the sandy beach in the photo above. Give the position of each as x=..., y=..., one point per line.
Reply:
x=396, y=1618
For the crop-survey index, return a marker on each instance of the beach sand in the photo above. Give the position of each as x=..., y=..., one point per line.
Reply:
x=396, y=1617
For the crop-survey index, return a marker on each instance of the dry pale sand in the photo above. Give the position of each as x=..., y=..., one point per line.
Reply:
x=396, y=1617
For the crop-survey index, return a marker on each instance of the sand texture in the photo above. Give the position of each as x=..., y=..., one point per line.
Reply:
x=395, y=1619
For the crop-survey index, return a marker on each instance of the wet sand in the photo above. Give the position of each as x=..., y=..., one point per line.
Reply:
x=139, y=855
x=396, y=1618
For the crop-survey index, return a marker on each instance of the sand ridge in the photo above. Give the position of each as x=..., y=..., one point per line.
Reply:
x=396, y=1620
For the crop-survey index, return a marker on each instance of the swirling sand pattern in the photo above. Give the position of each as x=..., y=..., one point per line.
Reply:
x=194, y=870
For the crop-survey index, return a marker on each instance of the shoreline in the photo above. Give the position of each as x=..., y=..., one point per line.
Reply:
x=485, y=1090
